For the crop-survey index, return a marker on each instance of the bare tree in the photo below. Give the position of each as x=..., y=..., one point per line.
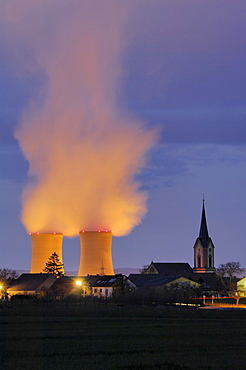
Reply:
x=229, y=269
x=227, y=273
x=144, y=269
x=8, y=274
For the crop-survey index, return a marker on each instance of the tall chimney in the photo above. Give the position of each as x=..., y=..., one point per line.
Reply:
x=95, y=253
x=43, y=246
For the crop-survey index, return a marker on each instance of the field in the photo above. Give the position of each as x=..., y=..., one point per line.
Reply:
x=82, y=336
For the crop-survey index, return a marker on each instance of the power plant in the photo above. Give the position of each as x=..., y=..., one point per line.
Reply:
x=43, y=246
x=95, y=253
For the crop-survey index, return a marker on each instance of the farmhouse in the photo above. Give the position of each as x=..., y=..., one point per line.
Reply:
x=31, y=284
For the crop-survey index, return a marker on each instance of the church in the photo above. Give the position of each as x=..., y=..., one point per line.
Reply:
x=203, y=256
x=204, y=271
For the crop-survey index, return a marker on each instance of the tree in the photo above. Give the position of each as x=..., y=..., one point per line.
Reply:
x=8, y=275
x=144, y=269
x=54, y=266
x=228, y=271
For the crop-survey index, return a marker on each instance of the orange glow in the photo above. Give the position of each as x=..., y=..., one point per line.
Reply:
x=81, y=148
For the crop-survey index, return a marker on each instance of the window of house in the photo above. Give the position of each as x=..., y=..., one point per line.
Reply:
x=106, y=292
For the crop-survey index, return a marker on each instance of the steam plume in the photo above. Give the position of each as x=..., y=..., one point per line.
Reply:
x=83, y=153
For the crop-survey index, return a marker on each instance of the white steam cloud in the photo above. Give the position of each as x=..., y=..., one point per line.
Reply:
x=83, y=152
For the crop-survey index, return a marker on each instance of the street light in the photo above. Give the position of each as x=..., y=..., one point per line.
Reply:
x=80, y=284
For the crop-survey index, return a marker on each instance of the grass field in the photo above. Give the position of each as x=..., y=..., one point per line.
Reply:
x=82, y=336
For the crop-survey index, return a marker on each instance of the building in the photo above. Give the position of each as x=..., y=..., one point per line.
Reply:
x=90, y=285
x=28, y=284
x=203, y=272
x=108, y=286
x=170, y=269
x=155, y=280
x=241, y=287
x=204, y=248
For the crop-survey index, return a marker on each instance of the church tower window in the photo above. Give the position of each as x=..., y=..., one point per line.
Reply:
x=199, y=261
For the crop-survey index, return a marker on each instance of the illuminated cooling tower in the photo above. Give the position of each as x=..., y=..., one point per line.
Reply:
x=95, y=253
x=43, y=245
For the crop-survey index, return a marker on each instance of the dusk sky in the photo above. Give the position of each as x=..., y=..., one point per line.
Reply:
x=165, y=81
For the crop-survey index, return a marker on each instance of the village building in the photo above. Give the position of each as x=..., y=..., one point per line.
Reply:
x=154, y=280
x=59, y=288
x=241, y=287
x=27, y=284
x=169, y=269
x=108, y=286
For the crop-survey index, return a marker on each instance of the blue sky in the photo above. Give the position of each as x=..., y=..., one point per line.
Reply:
x=182, y=70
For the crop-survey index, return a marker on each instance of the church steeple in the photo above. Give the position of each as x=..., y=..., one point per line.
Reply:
x=203, y=235
x=203, y=248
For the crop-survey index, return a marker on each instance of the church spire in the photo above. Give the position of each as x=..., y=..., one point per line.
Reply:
x=204, y=248
x=203, y=235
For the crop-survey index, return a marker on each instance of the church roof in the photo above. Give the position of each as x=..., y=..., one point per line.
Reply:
x=172, y=268
x=203, y=234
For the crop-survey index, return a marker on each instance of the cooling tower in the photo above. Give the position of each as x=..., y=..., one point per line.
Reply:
x=43, y=245
x=95, y=253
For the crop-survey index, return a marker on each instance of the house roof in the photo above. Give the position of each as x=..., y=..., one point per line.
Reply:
x=107, y=281
x=68, y=283
x=29, y=282
x=208, y=280
x=172, y=268
x=149, y=280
